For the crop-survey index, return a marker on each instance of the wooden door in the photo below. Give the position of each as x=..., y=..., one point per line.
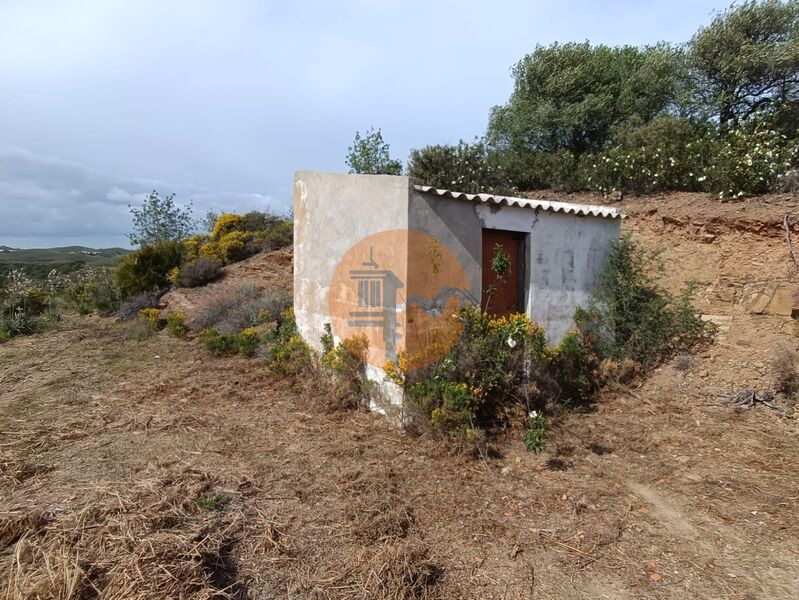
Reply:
x=503, y=295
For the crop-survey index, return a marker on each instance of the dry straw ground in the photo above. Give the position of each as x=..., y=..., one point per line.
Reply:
x=151, y=470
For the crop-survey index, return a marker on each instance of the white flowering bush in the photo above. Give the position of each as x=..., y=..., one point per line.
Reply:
x=22, y=303
x=637, y=171
x=90, y=290
x=748, y=160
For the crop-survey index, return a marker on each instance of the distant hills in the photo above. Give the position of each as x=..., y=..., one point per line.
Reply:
x=37, y=262
x=62, y=254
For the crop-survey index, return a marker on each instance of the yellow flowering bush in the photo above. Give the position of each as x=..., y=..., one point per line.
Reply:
x=176, y=323
x=228, y=248
x=152, y=317
x=225, y=224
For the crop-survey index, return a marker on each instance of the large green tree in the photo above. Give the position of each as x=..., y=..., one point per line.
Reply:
x=747, y=60
x=572, y=96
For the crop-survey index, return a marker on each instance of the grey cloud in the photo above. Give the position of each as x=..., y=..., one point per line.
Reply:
x=55, y=199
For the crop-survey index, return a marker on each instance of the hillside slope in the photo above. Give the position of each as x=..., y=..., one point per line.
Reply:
x=150, y=469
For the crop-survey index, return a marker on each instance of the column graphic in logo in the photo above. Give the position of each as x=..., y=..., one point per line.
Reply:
x=377, y=302
x=401, y=289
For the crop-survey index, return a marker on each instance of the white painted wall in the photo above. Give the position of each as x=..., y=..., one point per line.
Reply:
x=332, y=212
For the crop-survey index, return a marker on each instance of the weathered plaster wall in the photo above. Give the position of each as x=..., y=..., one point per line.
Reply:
x=567, y=254
x=332, y=212
x=564, y=252
x=455, y=224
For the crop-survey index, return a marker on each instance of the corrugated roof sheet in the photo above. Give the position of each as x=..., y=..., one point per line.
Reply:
x=593, y=210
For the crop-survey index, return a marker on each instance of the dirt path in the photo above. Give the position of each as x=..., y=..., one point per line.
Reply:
x=659, y=493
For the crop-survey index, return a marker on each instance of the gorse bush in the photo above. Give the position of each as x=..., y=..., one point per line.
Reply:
x=176, y=323
x=632, y=316
x=244, y=342
x=236, y=237
x=152, y=318
x=346, y=363
x=147, y=269
x=286, y=352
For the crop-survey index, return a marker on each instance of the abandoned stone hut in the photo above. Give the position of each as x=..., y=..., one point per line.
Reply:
x=386, y=257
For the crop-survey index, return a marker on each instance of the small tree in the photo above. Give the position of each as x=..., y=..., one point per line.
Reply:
x=370, y=154
x=160, y=220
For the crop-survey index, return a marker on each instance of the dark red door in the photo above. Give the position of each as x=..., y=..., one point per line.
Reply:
x=502, y=291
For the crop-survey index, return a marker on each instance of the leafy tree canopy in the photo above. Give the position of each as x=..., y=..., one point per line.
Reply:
x=571, y=96
x=160, y=220
x=747, y=60
x=370, y=155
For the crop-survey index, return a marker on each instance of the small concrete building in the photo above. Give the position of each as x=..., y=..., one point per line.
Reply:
x=382, y=256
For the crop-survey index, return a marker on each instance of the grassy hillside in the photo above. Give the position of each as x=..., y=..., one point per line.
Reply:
x=37, y=262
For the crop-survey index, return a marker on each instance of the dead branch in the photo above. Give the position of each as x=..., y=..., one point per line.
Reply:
x=788, y=239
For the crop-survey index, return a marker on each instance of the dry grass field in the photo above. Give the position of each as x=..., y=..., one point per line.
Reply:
x=149, y=469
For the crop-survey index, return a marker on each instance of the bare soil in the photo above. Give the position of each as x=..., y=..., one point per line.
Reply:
x=152, y=470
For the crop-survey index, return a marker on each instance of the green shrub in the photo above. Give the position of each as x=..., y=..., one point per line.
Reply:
x=220, y=344
x=535, y=437
x=469, y=168
x=279, y=234
x=286, y=351
x=4, y=335
x=176, y=323
x=497, y=363
x=632, y=316
x=245, y=342
x=147, y=269
x=213, y=502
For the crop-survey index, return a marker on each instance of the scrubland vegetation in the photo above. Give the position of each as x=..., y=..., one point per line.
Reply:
x=167, y=256
x=717, y=114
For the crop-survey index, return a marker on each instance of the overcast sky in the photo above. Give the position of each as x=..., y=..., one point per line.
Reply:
x=220, y=102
